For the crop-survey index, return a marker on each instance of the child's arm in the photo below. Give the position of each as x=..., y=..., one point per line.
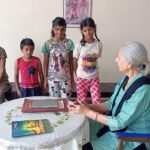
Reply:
x=75, y=65
x=71, y=65
x=41, y=75
x=45, y=70
x=2, y=66
x=16, y=78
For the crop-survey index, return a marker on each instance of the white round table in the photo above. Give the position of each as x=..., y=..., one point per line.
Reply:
x=67, y=129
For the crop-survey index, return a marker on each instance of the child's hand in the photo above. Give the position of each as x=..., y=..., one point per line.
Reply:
x=45, y=87
x=43, y=92
x=75, y=78
x=72, y=84
x=18, y=93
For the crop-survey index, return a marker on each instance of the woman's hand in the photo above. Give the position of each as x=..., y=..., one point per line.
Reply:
x=75, y=108
x=78, y=108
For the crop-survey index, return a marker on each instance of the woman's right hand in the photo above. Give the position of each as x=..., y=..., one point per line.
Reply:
x=75, y=108
x=78, y=108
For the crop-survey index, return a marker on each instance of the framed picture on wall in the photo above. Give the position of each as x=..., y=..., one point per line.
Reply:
x=76, y=10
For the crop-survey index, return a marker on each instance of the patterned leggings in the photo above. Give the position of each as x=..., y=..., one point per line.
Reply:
x=59, y=88
x=86, y=85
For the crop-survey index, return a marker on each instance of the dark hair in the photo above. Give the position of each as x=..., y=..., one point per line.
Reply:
x=25, y=42
x=58, y=21
x=90, y=23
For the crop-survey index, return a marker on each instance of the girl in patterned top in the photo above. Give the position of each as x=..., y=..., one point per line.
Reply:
x=58, y=73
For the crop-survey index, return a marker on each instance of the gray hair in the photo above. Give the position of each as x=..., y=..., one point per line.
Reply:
x=136, y=54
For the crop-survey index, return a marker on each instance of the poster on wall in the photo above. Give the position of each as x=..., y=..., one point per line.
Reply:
x=76, y=10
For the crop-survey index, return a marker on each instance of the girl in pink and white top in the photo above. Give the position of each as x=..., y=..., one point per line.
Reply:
x=30, y=69
x=85, y=60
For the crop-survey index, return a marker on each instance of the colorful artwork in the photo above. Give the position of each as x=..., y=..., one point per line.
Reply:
x=89, y=63
x=30, y=127
x=75, y=11
x=59, y=61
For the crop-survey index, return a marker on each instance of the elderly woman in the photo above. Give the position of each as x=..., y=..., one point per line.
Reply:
x=128, y=109
x=4, y=84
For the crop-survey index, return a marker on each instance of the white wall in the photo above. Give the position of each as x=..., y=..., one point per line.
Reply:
x=117, y=21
